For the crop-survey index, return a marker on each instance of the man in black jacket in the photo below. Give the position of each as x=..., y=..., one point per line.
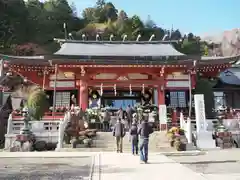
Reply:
x=144, y=131
x=119, y=133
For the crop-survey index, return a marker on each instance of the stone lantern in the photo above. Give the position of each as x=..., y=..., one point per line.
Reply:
x=26, y=138
x=220, y=116
x=26, y=119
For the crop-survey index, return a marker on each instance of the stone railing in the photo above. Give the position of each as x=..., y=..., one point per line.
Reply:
x=231, y=124
x=45, y=125
x=45, y=130
x=62, y=126
x=190, y=125
x=47, y=116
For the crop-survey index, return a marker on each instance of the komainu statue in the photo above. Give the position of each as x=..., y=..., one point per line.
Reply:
x=77, y=132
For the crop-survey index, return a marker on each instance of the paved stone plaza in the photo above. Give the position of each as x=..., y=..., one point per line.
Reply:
x=215, y=164
x=45, y=168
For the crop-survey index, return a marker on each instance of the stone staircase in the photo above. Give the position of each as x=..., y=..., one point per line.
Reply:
x=104, y=141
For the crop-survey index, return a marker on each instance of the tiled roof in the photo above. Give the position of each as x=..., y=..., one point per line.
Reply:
x=147, y=49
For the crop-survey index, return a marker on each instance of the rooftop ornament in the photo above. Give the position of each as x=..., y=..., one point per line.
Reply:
x=101, y=89
x=138, y=37
x=130, y=89
x=143, y=89
x=151, y=38
x=65, y=30
x=83, y=37
x=165, y=37
x=70, y=36
x=97, y=37
x=9, y=73
x=111, y=37
x=115, y=89
x=124, y=37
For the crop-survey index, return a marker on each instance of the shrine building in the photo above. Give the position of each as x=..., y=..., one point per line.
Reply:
x=116, y=73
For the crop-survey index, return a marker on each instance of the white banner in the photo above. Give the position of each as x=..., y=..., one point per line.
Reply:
x=163, y=114
x=62, y=84
x=173, y=84
x=200, y=112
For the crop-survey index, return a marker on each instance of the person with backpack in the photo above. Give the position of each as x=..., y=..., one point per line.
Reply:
x=119, y=133
x=133, y=138
x=144, y=131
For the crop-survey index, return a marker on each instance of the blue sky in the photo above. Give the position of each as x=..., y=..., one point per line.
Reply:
x=197, y=16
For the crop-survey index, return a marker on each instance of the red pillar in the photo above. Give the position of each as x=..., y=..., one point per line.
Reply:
x=161, y=96
x=174, y=117
x=193, y=79
x=161, y=101
x=83, y=95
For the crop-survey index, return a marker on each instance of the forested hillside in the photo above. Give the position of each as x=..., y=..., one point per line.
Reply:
x=28, y=27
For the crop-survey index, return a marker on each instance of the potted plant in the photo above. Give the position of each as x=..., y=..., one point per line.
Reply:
x=180, y=140
x=177, y=138
x=171, y=135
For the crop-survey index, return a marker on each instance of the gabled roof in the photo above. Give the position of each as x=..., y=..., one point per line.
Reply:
x=231, y=76
x=219, y=59
x=35, y=60
x=21, y=57
x=120, y=49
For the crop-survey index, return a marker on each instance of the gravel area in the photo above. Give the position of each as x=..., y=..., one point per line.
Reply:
x=45, y=168
x=213, y=162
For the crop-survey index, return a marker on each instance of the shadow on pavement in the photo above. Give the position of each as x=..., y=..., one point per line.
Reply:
x=161, y=163
x=51, y=171
x=208, y=162
x=113, y=169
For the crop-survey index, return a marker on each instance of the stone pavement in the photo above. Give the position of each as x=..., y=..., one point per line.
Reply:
x=214, y=164
x=126, y=166
x=78, y=168
x=103, y=166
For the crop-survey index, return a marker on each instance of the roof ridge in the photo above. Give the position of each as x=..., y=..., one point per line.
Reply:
x=113, y=42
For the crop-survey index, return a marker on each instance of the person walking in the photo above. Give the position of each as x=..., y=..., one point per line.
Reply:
x=106, y=119
x=119, y=133
x=144, y=131
x=133, y=138
x=120, y=113
x=129, y=112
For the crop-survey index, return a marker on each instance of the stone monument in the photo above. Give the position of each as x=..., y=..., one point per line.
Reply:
x=204, y=137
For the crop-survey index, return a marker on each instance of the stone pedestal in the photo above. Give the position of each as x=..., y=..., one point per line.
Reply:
x=205, y=141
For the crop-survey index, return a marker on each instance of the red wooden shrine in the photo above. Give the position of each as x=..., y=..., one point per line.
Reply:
x=81, y=67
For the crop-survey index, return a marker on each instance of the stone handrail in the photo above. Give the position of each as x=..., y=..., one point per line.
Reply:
x=42, y=126
x=210, y=123
x=62, y=126
x=9, y=124
x=44, y=118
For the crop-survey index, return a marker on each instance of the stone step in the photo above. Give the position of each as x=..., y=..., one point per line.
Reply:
x=129, y=144
x=104, y=141
x=112, y=149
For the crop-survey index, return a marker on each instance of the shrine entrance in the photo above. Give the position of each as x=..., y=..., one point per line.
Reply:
x=122, y=99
